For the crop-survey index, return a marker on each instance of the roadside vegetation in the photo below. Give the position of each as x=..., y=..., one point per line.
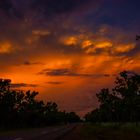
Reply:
x=110, y=131
x=21, y=109
x=118, y=116
x=120, y=104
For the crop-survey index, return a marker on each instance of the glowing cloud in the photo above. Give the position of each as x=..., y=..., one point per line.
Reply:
x=124, y=48
x=104, y=44
x=86, y=43
x=69, y=41
x=5, y=47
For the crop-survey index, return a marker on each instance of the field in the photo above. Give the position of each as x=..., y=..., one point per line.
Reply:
x=110, y=131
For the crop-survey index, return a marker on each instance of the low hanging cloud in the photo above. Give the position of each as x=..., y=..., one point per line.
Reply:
x=54, y=83
x=29, y=63
x=21, y=85
x=69, y=72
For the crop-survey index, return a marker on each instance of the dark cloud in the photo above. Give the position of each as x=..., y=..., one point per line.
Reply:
x=68, y=72
x=8, y=8
x=54, y=83
x=21, y=85
x=126, y=17
x=28, y=63
x=55, y=7
x=5, y=5
x=39, y=9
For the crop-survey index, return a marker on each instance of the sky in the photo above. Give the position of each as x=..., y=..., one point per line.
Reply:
x=68, y=49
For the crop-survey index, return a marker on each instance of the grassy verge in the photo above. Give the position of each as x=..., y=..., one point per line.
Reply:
x=110, y=131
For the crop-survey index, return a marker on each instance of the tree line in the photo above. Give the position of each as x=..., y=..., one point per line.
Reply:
x=21, y=109
x=120, y=104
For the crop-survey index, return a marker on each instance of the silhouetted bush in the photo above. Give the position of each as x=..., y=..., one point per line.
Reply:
x=122, y=104
x=22, y=109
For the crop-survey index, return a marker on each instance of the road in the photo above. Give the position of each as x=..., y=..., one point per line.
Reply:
x=48, y=133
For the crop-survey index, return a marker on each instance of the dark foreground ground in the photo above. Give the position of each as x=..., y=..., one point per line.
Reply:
x=48, y=133
x=106, y=131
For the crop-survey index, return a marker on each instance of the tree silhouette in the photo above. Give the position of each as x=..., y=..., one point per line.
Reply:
x=122, y=103
x=21, y=109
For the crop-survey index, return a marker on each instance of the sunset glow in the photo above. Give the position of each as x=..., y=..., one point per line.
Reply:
x=68, y=50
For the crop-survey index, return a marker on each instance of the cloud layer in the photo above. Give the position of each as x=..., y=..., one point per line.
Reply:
x=68, y=49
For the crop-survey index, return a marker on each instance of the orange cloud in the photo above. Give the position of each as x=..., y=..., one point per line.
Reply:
x=86, y=43
x=5, y=47
x=72, y=40
x=123, y=48
x=104, y=44
x=41, y=32
x=92, y=47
